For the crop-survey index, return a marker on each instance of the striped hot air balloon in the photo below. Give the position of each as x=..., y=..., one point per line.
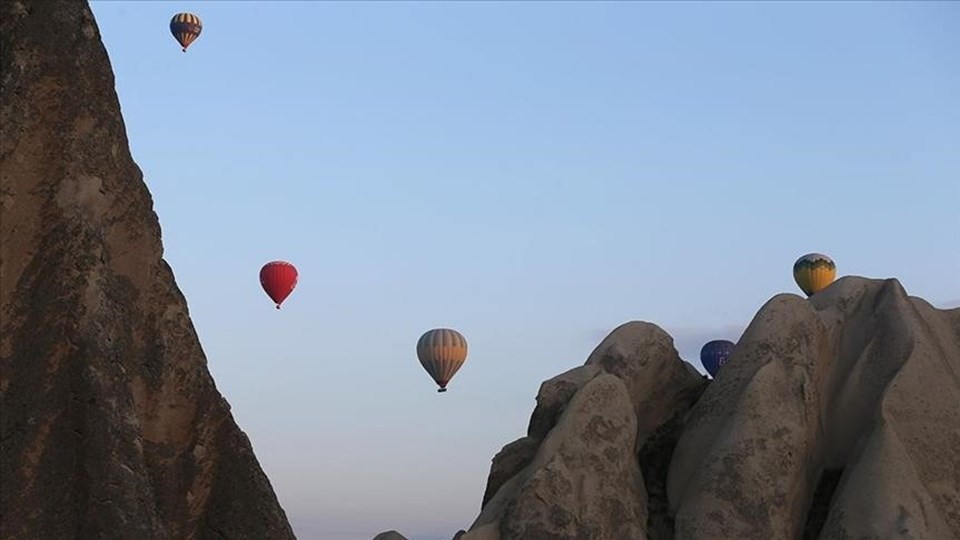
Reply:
x=186, y=28
x=814, y=272
x=441, y=352
x=278, y=278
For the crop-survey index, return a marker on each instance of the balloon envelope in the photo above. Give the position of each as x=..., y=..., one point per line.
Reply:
x=278, y=278
x=185, y=27
x=441, y=352
x=714, y=354
x=814, y=272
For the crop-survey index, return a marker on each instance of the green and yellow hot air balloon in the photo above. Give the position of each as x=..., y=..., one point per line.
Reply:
x=814, y=272
x=441, y=352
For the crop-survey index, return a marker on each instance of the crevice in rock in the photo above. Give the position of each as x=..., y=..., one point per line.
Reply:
x=654, y=460
x=820, y=506
x=215, y=531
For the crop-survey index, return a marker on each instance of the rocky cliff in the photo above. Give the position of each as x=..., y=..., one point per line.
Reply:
x=111, y=425
x=835, y=417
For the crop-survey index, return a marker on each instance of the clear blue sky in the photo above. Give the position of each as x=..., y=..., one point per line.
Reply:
x=530, y=173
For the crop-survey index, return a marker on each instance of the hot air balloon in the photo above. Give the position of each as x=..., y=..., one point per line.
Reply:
x=714, y=354
x=185, y=27
x=278, y=279
x=442, y=351
x=813, y=272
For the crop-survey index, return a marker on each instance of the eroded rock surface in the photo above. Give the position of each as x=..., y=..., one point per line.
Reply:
x=578, y=473
x=111, y=425
x=839, y=417
x=836, y=416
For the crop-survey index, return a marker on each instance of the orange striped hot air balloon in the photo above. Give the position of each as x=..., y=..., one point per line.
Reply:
x=186, y=28
x=441, y=352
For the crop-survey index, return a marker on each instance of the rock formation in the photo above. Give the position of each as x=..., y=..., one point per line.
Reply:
x=579, y=471
x=848, y=404
x=111, y=424
x=835, y=417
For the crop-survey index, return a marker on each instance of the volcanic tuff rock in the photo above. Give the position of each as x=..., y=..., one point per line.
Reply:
x=578, y=472
x=111, y=424
x=848, y=404
x=835, y=417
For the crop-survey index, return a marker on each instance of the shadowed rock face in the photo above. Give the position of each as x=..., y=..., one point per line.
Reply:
x=111, y=424
x=835, y=417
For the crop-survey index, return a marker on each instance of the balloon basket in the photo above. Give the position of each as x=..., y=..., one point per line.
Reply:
x=442, y=390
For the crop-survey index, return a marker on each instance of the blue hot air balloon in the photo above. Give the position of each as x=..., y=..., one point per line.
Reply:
x=714, y=354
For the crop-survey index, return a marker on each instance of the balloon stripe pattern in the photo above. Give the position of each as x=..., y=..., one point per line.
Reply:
x=814, y=272
x=442, y=351
x=278, y=279
x=186, y=28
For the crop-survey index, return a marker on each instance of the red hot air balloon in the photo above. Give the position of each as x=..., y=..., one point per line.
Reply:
x=278, y=279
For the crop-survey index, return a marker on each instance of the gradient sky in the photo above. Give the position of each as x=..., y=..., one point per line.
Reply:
x=530, y=173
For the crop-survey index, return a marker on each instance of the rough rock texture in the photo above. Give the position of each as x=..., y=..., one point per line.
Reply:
x=835, y=417
x=578, y=473
x=554, y=395
x=512, y=459
x=838, y=416
x=659, y=382
x=111, y=424
x=584, y=481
